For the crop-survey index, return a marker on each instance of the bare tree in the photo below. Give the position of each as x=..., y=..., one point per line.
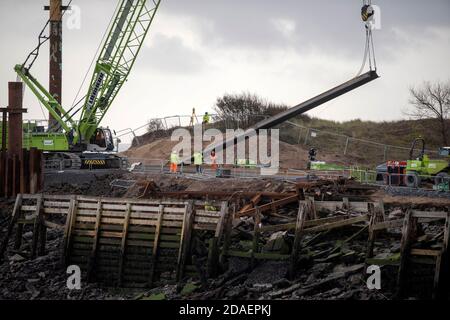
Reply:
x=432, y=101
x=246, y=109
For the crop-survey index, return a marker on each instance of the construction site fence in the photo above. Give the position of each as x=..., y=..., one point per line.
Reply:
x=369, y=177
x=362, y=151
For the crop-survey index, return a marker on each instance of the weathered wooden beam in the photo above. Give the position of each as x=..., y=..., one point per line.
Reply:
x=372, y=232
x=126, y=223
x=425, y=252
x=269, y=206
x=256, y=234
x=70, y=221
x=185, y=239
x=298, y=237
x=15, y=216
x=437, y=277
x=42, y=235
x=388, y=224
x=339, y=224
x=428, y=214
x=227, y=234
x=156, y=245
x=213, y=254
x=404, y=252
x=253, y=202
x=93, y=255
x=308, y=223
x=36, y=227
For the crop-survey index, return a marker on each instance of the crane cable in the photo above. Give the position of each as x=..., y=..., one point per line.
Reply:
x=92, y=62
x=41, y=40
x=369, y=49
x=74, y=103
x=369, y=52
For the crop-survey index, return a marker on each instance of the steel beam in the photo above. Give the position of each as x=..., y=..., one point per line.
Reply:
x=55, y=76
x=317, y=101
x=3, y=152
x=303, y=107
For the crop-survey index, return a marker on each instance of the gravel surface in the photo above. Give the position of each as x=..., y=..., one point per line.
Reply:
x=409, y=192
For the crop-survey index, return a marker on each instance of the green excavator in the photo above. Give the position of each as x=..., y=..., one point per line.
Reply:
x=83, y=143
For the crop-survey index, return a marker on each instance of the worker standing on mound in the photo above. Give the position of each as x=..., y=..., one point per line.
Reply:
x=206, y=118
x=174, y=162
x=198, y=161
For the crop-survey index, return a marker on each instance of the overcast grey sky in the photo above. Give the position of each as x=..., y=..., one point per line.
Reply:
x=285, y=51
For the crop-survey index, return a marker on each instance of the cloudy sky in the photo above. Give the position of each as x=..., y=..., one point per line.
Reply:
x=285, y=51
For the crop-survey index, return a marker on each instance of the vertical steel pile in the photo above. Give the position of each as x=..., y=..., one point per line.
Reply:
x=20, y=170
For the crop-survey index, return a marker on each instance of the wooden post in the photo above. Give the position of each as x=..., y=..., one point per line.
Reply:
x=381, y=211
x=15, y=175
x=227, y=236
x=297, y=240
x=313, y=207
x=437, y=276
x=185, y=244
x=19, y=235
x=371, y=240
x=345, y=204
x=8, y=175
x=3, y=152
x=37, y=226
x=70, y=222
x=404, y=252
x=14, y=218
x=33, y=171
x=213, y=255
x=126, y=224
x=92, y=258
x=25, y=172
x=42, y=236
x=256, y=234
x=156, y=245
x=442, y=276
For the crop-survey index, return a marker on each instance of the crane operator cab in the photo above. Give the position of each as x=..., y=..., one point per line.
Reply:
x=101, y=141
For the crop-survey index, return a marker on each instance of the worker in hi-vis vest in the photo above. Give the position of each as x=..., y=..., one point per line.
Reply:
x=198, y=161
x=174, y=162
x=206, y=118
x=214, y=160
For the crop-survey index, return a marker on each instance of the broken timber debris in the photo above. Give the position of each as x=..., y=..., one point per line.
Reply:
x=140, y=243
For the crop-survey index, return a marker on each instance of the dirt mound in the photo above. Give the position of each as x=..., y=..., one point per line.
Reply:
x=291, y=156
x=158, y=149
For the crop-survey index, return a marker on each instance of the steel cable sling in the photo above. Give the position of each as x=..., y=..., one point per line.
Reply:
x=369, y=50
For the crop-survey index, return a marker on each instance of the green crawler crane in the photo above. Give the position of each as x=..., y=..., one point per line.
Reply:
x=83, y=143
